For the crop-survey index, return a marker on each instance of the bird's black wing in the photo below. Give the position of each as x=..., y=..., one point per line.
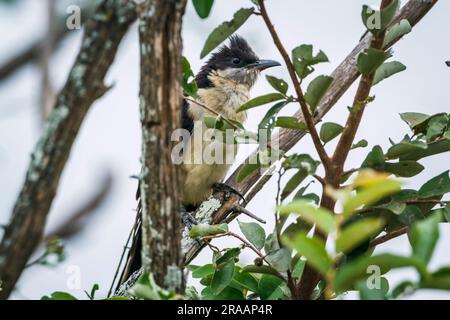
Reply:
x=187, y=122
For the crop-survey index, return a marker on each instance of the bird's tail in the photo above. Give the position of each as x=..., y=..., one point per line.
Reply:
x=134, y=244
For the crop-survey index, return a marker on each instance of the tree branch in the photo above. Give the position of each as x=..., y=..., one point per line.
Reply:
x=84, y=85
x=160, y=24
x=354, y=118
x=310, y=123
x=33, y=52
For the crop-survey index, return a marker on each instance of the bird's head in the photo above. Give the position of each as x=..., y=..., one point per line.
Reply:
x=236, y=61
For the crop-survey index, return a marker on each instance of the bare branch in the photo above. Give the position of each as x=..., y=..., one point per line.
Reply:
x=310, y=123
x=84, y=85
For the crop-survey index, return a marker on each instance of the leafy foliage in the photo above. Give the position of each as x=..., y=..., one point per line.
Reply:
x=203, y=7
x=226, y=29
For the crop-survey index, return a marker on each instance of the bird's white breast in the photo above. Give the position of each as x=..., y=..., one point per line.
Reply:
x=225, y=98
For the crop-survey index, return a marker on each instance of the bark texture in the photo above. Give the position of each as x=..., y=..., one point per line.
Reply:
x=103, y=34
x=160, y=23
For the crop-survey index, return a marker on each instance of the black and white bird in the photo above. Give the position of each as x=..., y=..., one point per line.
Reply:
x=224, y=84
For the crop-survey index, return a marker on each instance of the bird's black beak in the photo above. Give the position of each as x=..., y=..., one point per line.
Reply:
x=264, y=64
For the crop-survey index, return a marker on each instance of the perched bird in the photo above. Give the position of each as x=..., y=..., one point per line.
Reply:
x=224, y=84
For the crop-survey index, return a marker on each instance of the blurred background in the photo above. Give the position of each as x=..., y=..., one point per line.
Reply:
x=94, y=207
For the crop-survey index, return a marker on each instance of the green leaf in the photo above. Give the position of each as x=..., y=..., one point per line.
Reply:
x=222, y=277
x=189, y=83
x=404, y=287
x=278, y=84
x=405, y=169
x=357, y=233
x=225, y=30
x=437, y=186
x=376, y=21
x=313, y=250
x=254, y=233
x=304, y=59
x=446, y=212
x=290, y=123
x=94, y=289
x=405, y=147
x=447, y=63
x=146, y=288
x=203, y=7
x=269, y=120
x=293, y=183
x=58, y=295
x=370, y=60
x=397, y=31
x=322, y=218
x=375, y=159
x=261, y=100
x=305, y=165
x=349, y=274
x=301, y=161
x=366, y=293
x=246, y=170
x=329, y=131
x=279, y=259
x=297, y=270
x=228, y=293
x=437, y=126
x=270, y=288
x=434, y=148
x=203, y=271
x=423, y=236
x=360, y=144
x=271, y=243
x=260, y=269
x=370, y=195
x=387, y=70
x=245, y=280
x=316, y=90
x=437, y=280
x=229, y=255
x=410, y=215
x=413, y=119
x=203, y=230
x=296, y=227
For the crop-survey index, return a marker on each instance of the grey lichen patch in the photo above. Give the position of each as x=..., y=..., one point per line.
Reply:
x=168, y=206
x=187, y=243
x=47, y=141
x=173, y=278
x=207, y=209
x=142, y=104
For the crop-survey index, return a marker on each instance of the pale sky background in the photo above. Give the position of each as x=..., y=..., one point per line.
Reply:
x=110, y=136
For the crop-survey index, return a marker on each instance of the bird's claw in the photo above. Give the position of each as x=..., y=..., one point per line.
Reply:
x=222, y=187
x=188, y=220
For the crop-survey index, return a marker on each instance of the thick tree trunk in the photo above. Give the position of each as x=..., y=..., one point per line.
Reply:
x=160, y=100
x=85, y=84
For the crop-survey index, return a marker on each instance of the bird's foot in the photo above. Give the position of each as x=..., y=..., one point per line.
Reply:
x=222, y=187
x=187, y=218
x=189, y=221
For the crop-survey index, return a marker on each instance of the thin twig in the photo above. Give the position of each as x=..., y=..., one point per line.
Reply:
x=320, y=179
x=243, y=210
x=382, y=239
x=300, y=97
x=354, y=118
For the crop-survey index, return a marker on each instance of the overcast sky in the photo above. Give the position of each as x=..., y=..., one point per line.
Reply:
x=110, y=137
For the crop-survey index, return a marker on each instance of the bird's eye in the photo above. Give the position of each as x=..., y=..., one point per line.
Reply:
x=236, y=60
